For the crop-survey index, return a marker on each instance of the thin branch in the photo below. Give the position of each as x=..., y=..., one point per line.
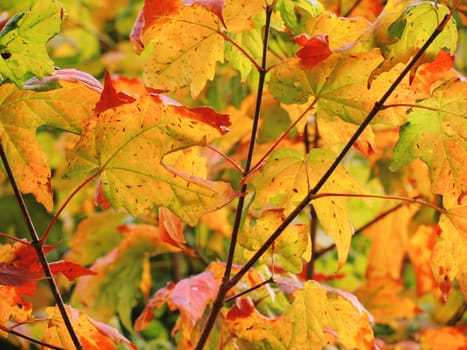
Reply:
x=37, y=244
x=399, y=198
x=7, y=236
x=364, y=227
x=32, y=340
x=249, y=290
x=63, y=206
x=241, y=49
x=378, y=105
x=223, y=288
x=279, y=140
x=458, y=315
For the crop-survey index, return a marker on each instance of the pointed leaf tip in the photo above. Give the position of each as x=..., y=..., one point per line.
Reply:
x=315, y=49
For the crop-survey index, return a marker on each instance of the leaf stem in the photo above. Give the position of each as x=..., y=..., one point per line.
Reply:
x=457, y=315
x=241, y=49
x=224, y=287
x=63, y=206
x=249, y=290
x=24, y=336
x=37, y=244
x=279, y=140
x=227, y=158
x=324, y=178
x=400, y=198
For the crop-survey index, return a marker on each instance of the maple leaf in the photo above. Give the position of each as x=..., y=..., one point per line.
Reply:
x=23, y=42
x=92, y=334
x=186, y=40
x=315, y=49
x=134, y=147
x=23, y=111
x=443, y=338
x=95, y=236
x=119, y=274
x=386, y=301
x=448, y=257
x=291, y=248
x=190, y=296
x=420, y=249
x=316, y=314
x=338, y=82
x=437, y=134
x=13, y=305
x=295, y=14
x=286, y=178
x=411, y=30
x=389, y=241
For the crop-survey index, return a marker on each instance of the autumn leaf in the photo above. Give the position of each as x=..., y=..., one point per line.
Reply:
x=314, y=49
x=119, y=274
x=436, y=132
x=13, y=305
x=23, y=111
x=289, y=250
x=94, y=237
x=448, y=257
x=186, y=42
x=92, y=334
x=133, y=146
x=286, y=179
x=411, y=30
x=420, y=249
x=317, y=316
x=337, y=82
x=444, y=337
x=389, y=242
x=23, y=42
x=190, y=296
x=385, y=300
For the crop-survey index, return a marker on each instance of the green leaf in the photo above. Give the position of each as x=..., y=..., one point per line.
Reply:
x=437, y=135
x=413, y=28
x=112, y=291
x=23, y=42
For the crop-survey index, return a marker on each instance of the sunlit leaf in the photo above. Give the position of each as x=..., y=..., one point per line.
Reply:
x=289, y=250
x=23, y=42
x=24, y=111
x=412, y=29
x=286, y=179
x=92, y=334
x=420, y=249
x=316, y=317
x=436, y=132
x=385, y=300
x=130, y=145
x=443, y=337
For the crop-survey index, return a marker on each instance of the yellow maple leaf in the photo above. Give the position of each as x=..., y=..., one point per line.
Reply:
x=286, y=178
x=23, y=111
x=291, y=248
x=130, y=145
x=92, y=334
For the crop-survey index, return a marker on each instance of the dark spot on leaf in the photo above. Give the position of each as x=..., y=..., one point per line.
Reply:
x=6, y=55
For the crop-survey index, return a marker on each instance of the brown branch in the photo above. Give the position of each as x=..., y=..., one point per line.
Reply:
x=37, y=244
x=224, y=287
x=457, y=315
x=32, y=340
x=249, y=290
x=378, y=105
